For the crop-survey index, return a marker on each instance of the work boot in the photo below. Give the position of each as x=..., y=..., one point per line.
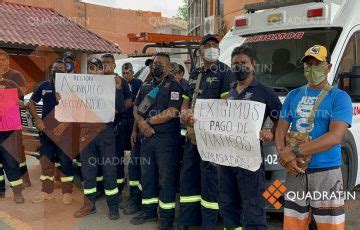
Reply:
x=26, y=180
x=67, y=198
x=18, y=197
x=124, y=204
x=132, y=208
x=85, y=211
x=43, y=196
x=114, y=214
x=142, y=218
x=165, y=225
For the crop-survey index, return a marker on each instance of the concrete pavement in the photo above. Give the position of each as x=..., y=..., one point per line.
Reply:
x=53, y=215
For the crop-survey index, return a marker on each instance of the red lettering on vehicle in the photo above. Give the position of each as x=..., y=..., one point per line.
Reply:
x=269, y=37
x=274, y=37
x=356, y=110
x=289, y=36
x=299, y=35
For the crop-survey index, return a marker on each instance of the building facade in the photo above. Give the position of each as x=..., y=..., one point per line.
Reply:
x=111, y=23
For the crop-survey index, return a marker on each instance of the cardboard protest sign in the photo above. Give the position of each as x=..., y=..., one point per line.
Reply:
x=85, y=98
x=228, y=132
x=9, y=110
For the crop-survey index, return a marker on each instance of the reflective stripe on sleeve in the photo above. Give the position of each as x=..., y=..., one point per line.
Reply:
x=224, y=94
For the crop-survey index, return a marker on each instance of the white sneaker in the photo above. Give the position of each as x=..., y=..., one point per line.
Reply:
x=67, y=198
x=42, y=197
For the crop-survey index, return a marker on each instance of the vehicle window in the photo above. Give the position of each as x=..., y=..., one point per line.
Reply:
x=348, y=58
x=279, y=53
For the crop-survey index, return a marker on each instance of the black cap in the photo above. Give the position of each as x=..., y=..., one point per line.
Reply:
x=208, y=37
x=148, y=62
x=96, y=62
x=127, y=66
x=181, y=69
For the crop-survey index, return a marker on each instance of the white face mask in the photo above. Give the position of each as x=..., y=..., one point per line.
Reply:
x=211, y=54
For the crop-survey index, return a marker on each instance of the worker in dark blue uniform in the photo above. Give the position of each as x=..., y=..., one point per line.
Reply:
x=240, y=190
x=95, y=66
x=98, y=144
x=54, y=145
x=198, y=179
x=134, y=204
x=123, y=102
x=158, y=105
x=134, y=86
x=180, y=77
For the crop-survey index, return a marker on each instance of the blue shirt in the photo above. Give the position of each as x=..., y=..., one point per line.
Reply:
x=336, y=106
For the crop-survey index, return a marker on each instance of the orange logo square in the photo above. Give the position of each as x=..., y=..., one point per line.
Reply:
x=274, y=192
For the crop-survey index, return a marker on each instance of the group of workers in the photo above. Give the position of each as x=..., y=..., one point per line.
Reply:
x=148, y=121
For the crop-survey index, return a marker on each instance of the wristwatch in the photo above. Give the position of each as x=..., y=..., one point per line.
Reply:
x=296, y=150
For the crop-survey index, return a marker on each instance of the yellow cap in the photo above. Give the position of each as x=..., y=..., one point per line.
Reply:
x=317, y=51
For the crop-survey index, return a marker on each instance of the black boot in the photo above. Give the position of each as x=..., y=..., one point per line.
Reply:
x=114, y=214
x=142, y=218
x=165, y=225
x=132, y=208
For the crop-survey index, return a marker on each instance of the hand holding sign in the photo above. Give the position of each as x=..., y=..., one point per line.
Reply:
x=9, y=110
x=228, y=132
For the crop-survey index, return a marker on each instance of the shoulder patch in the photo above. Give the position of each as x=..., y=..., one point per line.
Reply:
x=175, y=96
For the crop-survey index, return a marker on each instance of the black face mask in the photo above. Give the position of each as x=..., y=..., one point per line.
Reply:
x=70, y=66
x=157, y=71
x=53, y=74
x=241, y=72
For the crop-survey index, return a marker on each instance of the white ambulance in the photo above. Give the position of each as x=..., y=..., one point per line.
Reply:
x=281, y=31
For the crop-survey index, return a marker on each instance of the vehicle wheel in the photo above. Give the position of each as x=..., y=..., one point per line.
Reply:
x=349, y=162
x=345, y=167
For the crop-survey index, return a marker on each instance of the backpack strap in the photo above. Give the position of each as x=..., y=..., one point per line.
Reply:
x=325, y=91
x=197, y=90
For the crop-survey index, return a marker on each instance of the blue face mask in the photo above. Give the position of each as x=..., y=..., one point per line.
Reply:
x=69, y=66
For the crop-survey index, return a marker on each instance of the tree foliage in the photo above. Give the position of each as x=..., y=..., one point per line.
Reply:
x=183, y=11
